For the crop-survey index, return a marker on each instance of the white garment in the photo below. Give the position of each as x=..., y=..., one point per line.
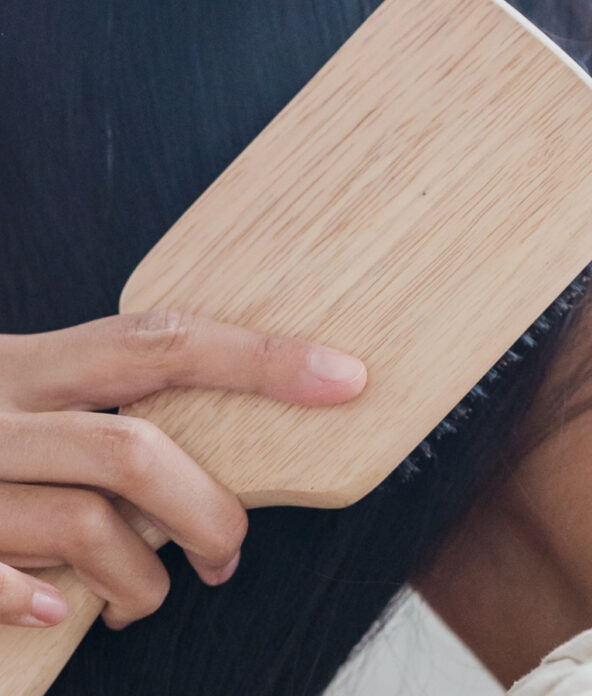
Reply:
x=567, y=671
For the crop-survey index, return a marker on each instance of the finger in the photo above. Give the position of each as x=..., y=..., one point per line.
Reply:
x=117, y=360
x=84, y=530
x=136, y=460
x=213, y=570
x=27, y=601
x=212, y=575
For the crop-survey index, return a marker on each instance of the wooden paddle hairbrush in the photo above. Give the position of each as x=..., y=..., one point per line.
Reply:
x=418, y=204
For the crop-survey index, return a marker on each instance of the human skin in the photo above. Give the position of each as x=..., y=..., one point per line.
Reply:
x=61, y=466
x=514, y=580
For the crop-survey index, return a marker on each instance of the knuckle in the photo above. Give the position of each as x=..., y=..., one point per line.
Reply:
x=274, y=358
x=157, y=334
x=267, y=347
x=278, y=350
x=127, y=443
x=88, y=524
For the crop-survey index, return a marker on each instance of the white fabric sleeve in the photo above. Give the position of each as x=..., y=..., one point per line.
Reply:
x=567, y=671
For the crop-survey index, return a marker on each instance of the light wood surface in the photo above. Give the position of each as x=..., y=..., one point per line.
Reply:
x=418, y=204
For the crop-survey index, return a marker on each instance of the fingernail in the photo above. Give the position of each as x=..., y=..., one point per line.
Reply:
x=332, y=366
x=47, y=609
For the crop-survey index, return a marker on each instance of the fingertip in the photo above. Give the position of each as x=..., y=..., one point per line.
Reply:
x=329, y=365
x=48, y=606
x=110, y=619
x=217, y=576
x=351, y=389
x=331, y=380
x=115, y=625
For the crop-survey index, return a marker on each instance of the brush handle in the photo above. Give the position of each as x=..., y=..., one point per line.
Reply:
x=31, y=658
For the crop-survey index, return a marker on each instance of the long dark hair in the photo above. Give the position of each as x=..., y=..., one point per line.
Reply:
x=117, y=116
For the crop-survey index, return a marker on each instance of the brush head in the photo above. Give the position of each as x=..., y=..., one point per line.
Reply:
x=412, y=211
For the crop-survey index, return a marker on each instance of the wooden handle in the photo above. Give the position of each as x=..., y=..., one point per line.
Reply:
x=31, y=658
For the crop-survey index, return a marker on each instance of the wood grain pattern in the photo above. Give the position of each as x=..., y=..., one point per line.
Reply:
x=418, y=204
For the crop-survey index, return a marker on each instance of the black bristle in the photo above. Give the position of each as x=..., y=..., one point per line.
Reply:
x=425, y=454
x=512, y=356
x=528, y=340
x=543, y=324
x=478, y=390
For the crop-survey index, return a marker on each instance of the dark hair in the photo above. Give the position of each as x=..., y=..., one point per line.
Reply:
x=569, y=24
x=119, y=114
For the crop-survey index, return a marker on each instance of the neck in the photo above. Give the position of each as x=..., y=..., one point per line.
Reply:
x=514, y=581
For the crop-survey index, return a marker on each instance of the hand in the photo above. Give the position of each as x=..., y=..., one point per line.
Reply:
x=59, y=466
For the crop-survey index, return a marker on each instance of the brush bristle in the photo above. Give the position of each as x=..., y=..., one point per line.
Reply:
x=426, y=452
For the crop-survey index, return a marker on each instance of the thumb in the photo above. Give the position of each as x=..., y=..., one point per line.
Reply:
x=26, y=601
x=117, y=360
